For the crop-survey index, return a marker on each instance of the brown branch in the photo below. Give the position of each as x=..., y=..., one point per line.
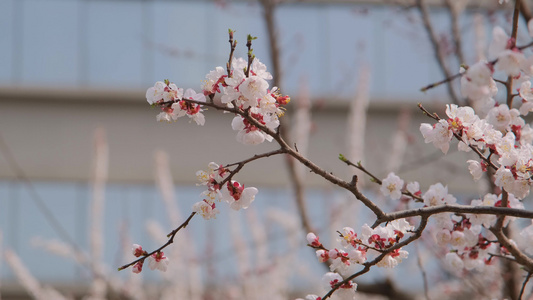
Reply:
x=525, y=11
x=368, y=265
x=269, y=8
x=422, y=7
x=514, y=33
x=524, y=286
x=422, y=271
x=251, y=56
x=233, y=45
x=460, y=209
x=171, y=236
x=457, y=75
x=447, y=79
x=456, y=32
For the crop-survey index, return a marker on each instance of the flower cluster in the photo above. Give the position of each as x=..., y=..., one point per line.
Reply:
x=157, y=260
x=502, y=133
x=172, y=101
x=470, y=242
x=221, y=189
x=355, y=250
x=245, y=91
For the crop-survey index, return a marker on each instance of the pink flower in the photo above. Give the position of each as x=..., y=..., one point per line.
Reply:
x=137, y=250
x=138, y=267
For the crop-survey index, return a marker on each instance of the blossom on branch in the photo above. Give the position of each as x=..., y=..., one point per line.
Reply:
x=163, y=92
x=439, y=134
x=392, y=186
x=158, y=261
x=237, y=196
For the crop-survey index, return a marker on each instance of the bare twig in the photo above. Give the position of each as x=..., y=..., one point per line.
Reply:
x=439, y=55
x=269, y=8
x=522, y=289
x=233, y=45
x=422, y=271
x=456, y=32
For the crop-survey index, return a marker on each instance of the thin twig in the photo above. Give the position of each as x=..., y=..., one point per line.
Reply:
x=233, y=45
x=374, y=178
x=269, y=9
x=457, y=75
x=524, y=286
x=423, y=271
x=439, y=55
x=171, y=236
x=456, y=32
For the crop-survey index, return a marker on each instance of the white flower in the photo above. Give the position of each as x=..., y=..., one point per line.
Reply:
x=322, y=255
x=158, y=261
x=499, y=117
x=475, y=169
x=510, y=62
x=458, y=239
x=253, y=88
x=437, y=194
x=393, y=259
x=357, y=256
x=205, y=209
x=253, y=137
x=161, y=92
x=138, y=267
x=413, y=188
x=499, y=42
x=214, y=78
x=525, y=91
x=479, y=74
x=346, y=291
x=392, y=186
x=192, y=110
x=438, y=134
x=443, y=237
x=504, y=178
x=312, y=239
x=400, y=225
x=330, y=279
x=164, y=117
x=259, y=69
x=249, y=134
x=454, y=261
x=137, y=250
x=237, y=196
x=348, y=236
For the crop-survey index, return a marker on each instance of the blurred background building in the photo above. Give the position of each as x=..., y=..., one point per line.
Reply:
x=68, y=67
